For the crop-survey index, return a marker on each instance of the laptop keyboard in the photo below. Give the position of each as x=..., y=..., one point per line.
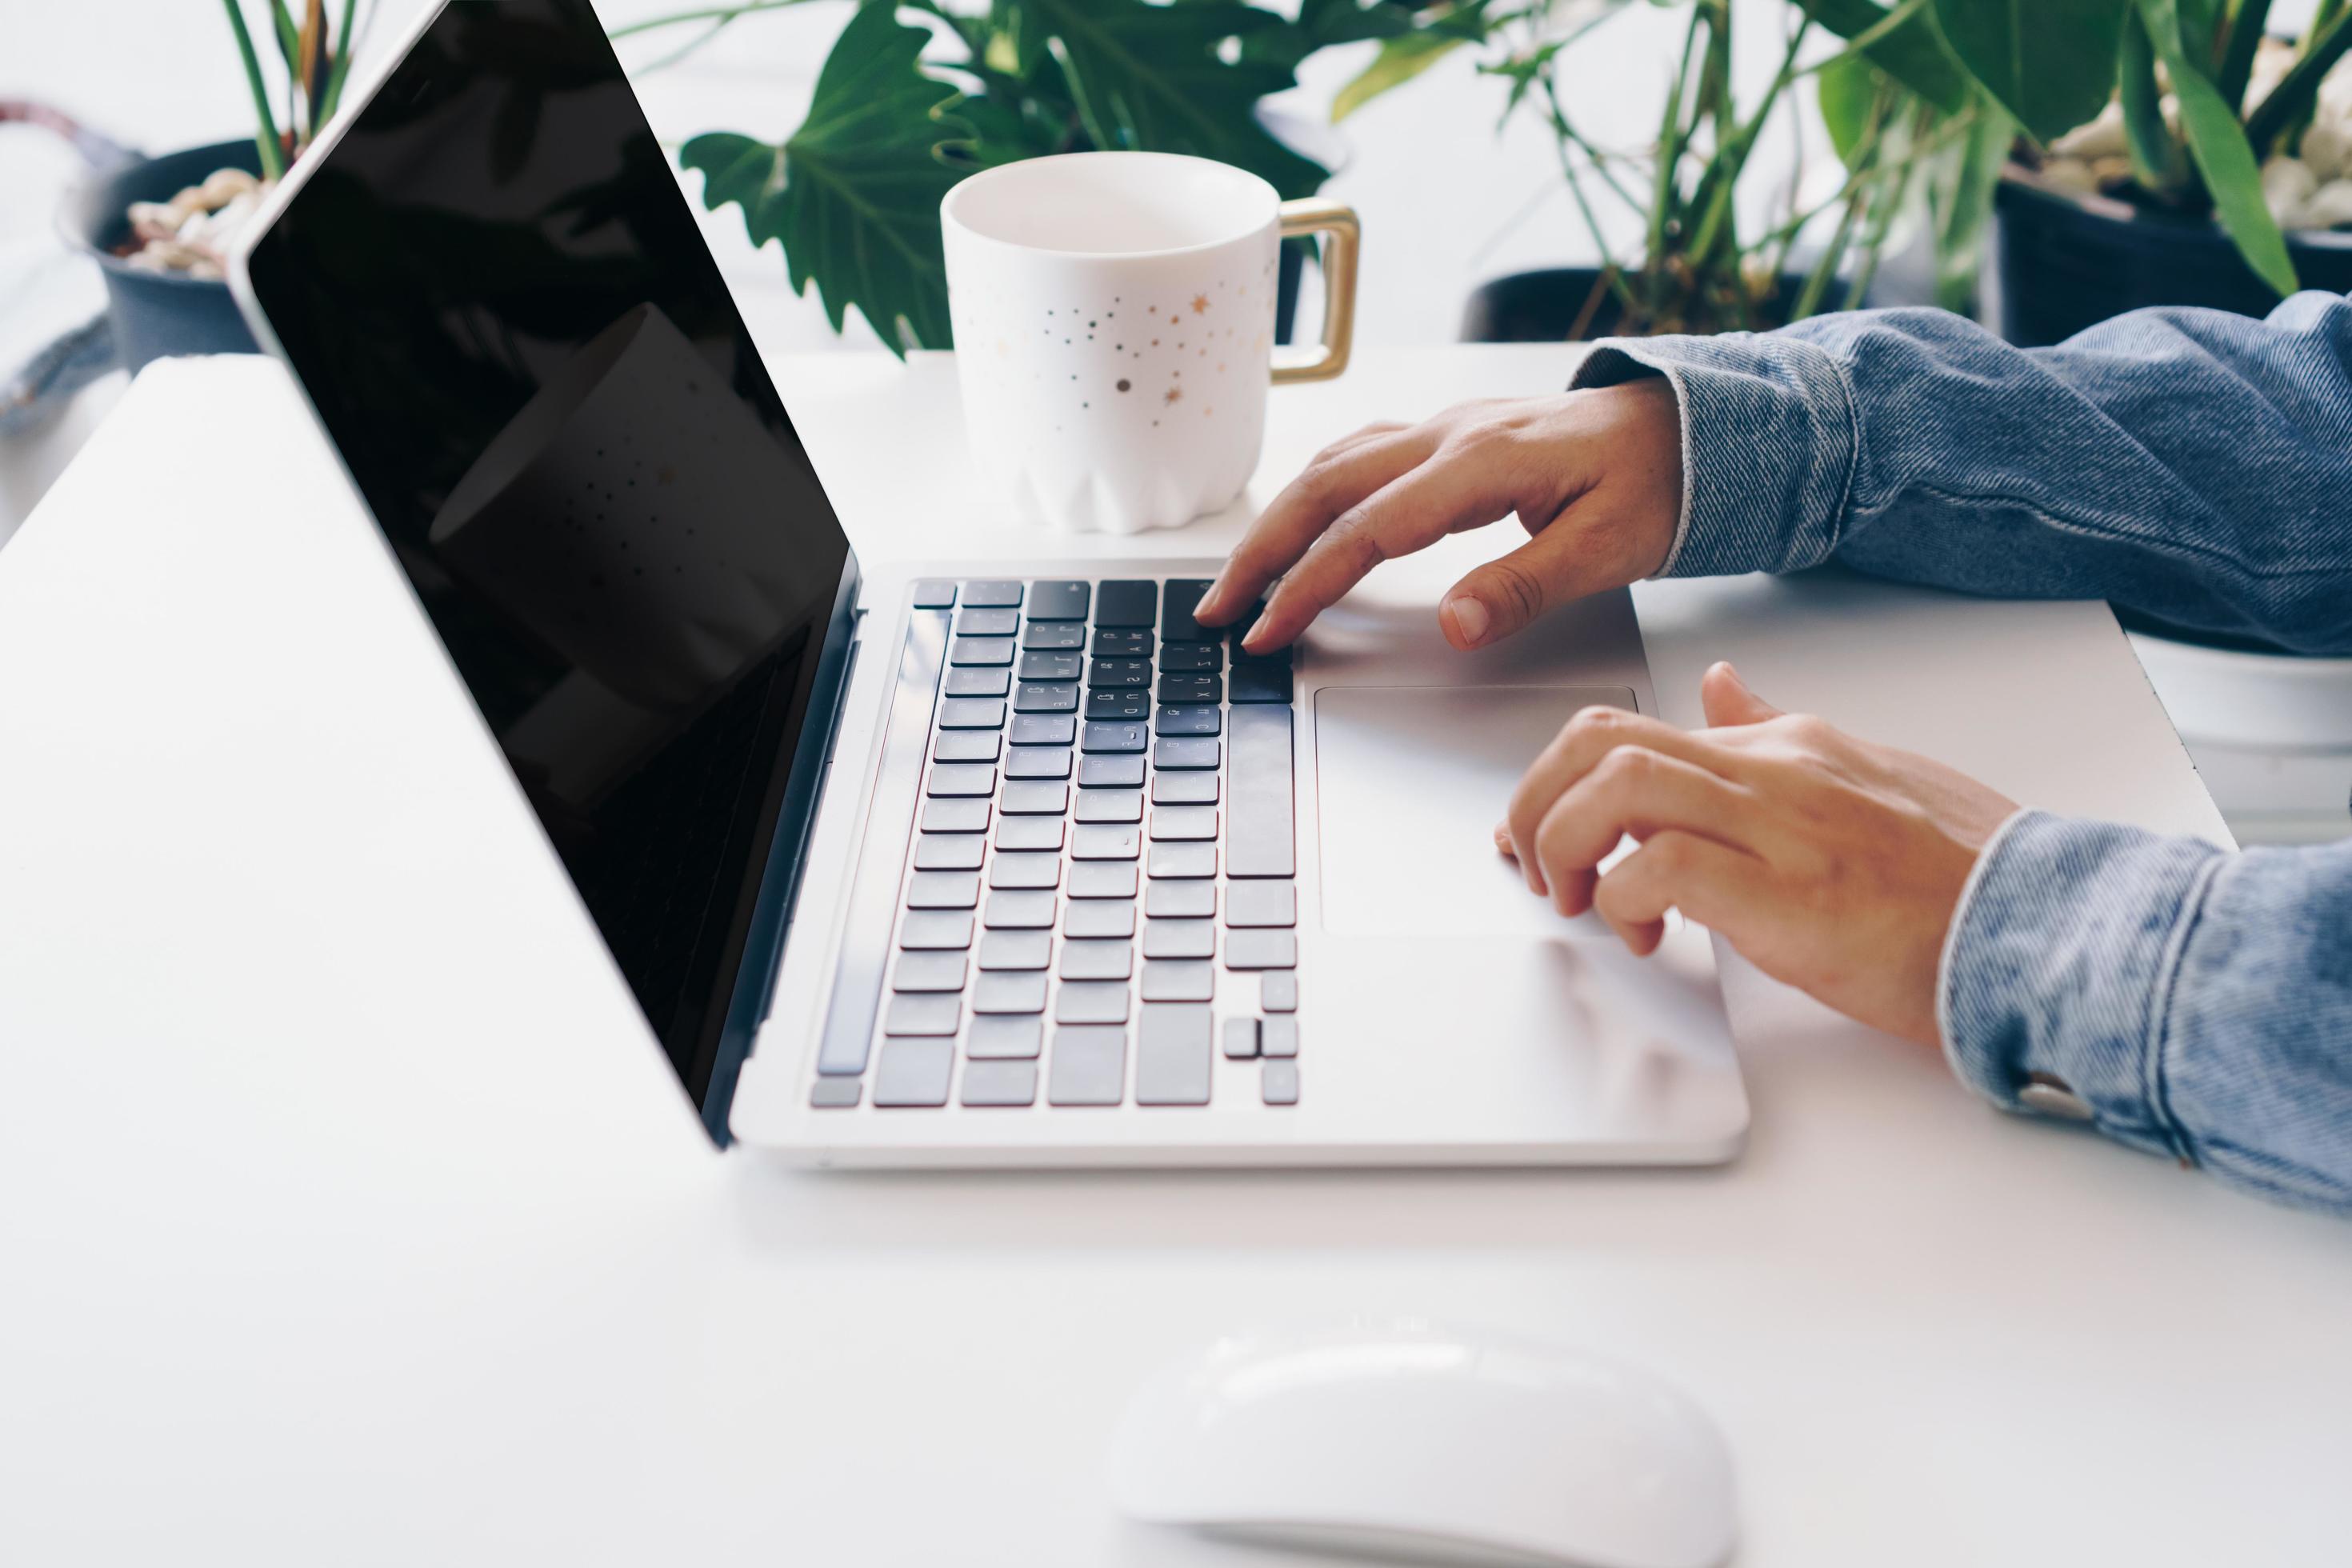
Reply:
x=1100, y=898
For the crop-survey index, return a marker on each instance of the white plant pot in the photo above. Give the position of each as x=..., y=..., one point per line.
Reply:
x=2271, y=735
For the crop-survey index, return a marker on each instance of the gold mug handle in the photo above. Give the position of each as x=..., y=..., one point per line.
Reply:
x=1318, y=216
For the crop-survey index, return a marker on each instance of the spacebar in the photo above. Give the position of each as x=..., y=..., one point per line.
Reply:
x=1257, y=820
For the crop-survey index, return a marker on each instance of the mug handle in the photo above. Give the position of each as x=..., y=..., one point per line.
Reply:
x=1318, y=215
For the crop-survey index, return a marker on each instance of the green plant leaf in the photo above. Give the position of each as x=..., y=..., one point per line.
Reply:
x=2223, y=154
x=854, y=194
x=2051, y=63
x=1847, y=87
x=2156, y=160
x=1959, y=201
x=1910, y=51
x=1399, y=61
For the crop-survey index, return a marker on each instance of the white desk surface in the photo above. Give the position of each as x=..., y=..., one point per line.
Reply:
x=348, y=1214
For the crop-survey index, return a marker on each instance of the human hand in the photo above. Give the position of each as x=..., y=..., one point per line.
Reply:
x=1596, y=476
x=1829, y=863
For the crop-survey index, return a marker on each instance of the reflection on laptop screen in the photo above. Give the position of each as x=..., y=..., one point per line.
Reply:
x=496, y=295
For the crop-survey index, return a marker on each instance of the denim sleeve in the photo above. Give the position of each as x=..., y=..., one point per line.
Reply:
x=2193, y=464
x=2199, y=1002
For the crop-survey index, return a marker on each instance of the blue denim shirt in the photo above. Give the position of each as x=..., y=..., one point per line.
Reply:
x=2191, y=464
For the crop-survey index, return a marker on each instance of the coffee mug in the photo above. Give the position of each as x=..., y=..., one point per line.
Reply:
x=1114, y=328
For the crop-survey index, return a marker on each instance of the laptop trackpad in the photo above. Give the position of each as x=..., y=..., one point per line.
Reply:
x=1410, y=783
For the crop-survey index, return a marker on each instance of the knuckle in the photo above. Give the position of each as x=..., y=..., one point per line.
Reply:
x=1354, y=533
x=1514, y=592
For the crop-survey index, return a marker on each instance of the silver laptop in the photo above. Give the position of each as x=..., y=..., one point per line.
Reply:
x=987, y=865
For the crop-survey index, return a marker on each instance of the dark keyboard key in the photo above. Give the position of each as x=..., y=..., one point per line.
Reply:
x=1268, y=903
x=1258, y=683
x=1035, y=798
x=1089, y=958
x=1044, y=728
x=1005, y=1036
x=1089, y=1067
x=1106, y=841
x=1181, y=900
x=1183, y=862
x=1176, y=622
x=1019, y=911
x=1020, y=870
x=948, y=852
x=1261, y=949
x=1178, y=979
x=1110, y=805
x=1118, y=702
x=1258, y=799
x=990, y=590
x=1185, y=789
x=1179, y=939
x=1192, y=690
x=1185, y=752
x=979, y=651
x=1273, y=658
x=1016, y=948
x=971, y=713
x=1277, y=991
x=934, y=594
x=1113, y=738
x=1032, y=698
x=1009, y=991
x=1100, y=916
x=1111, y=771
x=1052, y=635
x=955, y=816
x=979, y=623
x=1172, y=1056
x=930, y=929
x=959, y=779
x=1038, y=762
x=1102, y=879
x=1187, y=720
x=1028, y=832
x=1278, y=1036
x=1110, y=642
x=1058, y=601
x=978, y=682
x=1115, y=672
x=1091, y=1002
x=1241, y=1038
x=914, y=1072
x=1039, y=664
x=943, y=890
x=1124, y=604
x=1192, y=657
x=966, y=745
x=917, y=1013
x=999, y=1083
x=1278, y=1083
x=835, y=1093
x=1183, y=823
x=928, y=971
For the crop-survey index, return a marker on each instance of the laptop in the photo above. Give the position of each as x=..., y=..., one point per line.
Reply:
x=969, y=864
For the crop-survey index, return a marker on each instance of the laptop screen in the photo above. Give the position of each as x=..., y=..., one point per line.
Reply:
x=496, y=295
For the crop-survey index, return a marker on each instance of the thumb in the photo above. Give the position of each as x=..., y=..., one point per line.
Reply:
x=1575, y=554
x=1727, y=701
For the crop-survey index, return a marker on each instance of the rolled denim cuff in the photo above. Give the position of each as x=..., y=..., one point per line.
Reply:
x=2058, y=974
x=1770, y=440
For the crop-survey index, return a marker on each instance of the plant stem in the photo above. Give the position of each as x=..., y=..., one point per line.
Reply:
x=273, y=159
x=721, y=14
x=342, y=66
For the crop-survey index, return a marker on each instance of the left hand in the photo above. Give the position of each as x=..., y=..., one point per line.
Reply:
x=1830, y=863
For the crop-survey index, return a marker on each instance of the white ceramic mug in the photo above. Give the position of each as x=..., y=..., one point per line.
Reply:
x=1114, y=328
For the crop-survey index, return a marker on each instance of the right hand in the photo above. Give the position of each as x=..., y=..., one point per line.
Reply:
x=1595, y=476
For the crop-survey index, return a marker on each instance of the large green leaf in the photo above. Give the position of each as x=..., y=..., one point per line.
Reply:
x=1909, y=51
x=854, y=194
x=1847, y=88
x=1399, y=60
x=2052, y=63
x=2223, y=154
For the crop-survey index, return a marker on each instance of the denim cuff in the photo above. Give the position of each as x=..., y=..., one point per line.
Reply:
x=2059, y=967
x=1769, y=446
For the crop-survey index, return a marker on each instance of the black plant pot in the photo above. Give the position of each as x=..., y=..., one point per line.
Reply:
x=2064, y=262
x=156, y=314
x=1542, y=306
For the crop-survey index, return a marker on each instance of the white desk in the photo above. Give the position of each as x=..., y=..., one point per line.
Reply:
x=303, y=1260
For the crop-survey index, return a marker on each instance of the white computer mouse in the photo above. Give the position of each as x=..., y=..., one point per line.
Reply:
x=1408, y=1439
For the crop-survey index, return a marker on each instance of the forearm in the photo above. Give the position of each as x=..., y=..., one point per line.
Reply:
x=2190, y=464
x=2198, y=1003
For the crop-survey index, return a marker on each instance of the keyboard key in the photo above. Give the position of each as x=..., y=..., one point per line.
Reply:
x=977, y=682
x=835, y=1093
x=972, y=781
x=1192, y=690
x=1278, y=1083
x=914, y=1072
x=1278, y=1036
x=1241, y=1038
x=1186, y=751
x=999, y=1083
x=990, y=591
x=1009, y=991
x=1176, y=622
x=1100, y=916
x=1110, y=805
x=966, y=745
x=1183, y=860
x=1085, y=958
x=1028, y=832
x=1111, y=771
x=1120, y=672
x=1024, y=911
x=1261, y=949
x=1102, y=879
x=1109, y=702
x=971, y=713
x=1181, y=900
x=1017, y=949
x=1038, y=762
x=1113, y=738
x=1003, y=1035
x=1260, y=683
x=1032, y=697
x=1258, y=805
x=981, y=622
x=1179, y=939
x=1089, y=1067
x=1026, y=871
x=1091, y=1002
x=955, y=816
x=1041, y=666
x=1052, y=635
x=1124, y=604
x=929, y=972
x=979, y=651
x=942, y=889
x=1189, y=658
x=1178, y=979
x=1266, y=903
x=1277, y=991
x=1044, y=728
x=920, y=1012
x=1188, y=721
x=935, y=929
x=1113, y=643
x=1183, y=823
x=1185, y=789
x=1035, y=798
x=948, y=852
x=1106, y=841
x=1172, y=1056
x=1058, y=601
x=933, y=594
x=1276, y=658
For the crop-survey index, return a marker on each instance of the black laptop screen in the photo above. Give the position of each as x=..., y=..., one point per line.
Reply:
x=495, y=293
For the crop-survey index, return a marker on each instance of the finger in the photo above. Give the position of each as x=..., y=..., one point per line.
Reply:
x=1727, y=701
x=1719, y=886
x=1574, y=555
x=1503, y=840
x=1579, y=748
x=1410, y=512
x=1339, y=476
x=1640, y=793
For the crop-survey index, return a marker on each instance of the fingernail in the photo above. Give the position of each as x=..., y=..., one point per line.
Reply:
x=1470, y=618
x=1256, y=631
